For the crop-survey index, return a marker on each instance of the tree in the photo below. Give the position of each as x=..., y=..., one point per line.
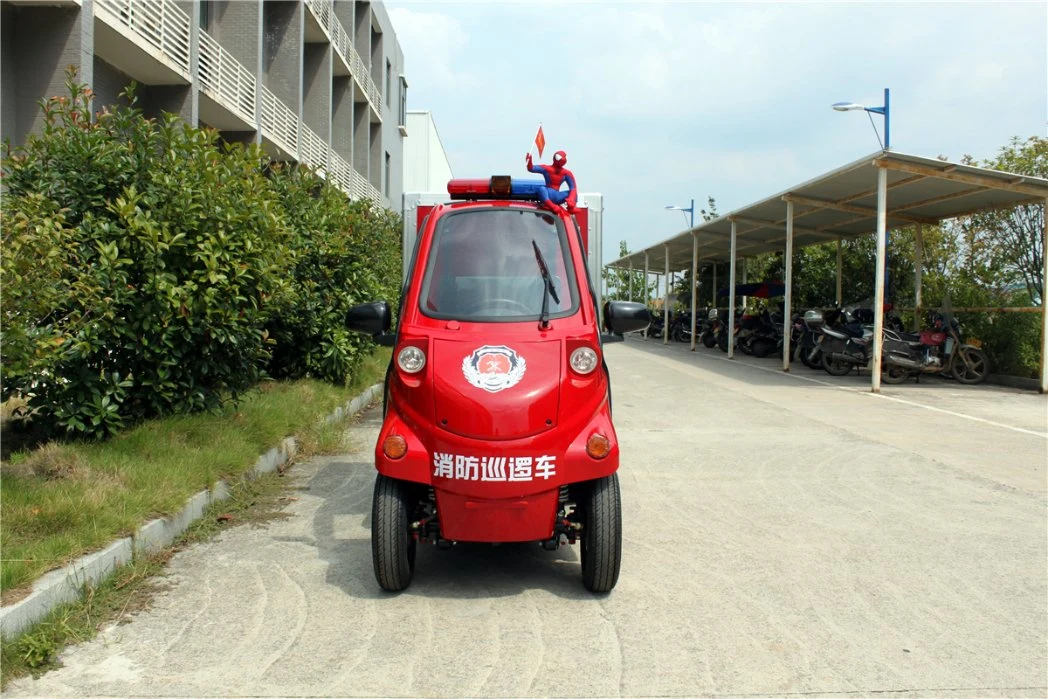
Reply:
x=1008, y=245
x=622, y=284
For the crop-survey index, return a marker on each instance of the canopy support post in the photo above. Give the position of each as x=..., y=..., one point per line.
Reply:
x=744, y=281
x=647, y=280
x=840, y=268
x=787, y=320
x=694, y=282
x=878, y=295
x=714, y=304
x=918, y=263
x=629, y=282
x=731, y=295
x=1044, y=303
x=666, y=299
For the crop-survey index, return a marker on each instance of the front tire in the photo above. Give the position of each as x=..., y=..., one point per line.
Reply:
x=392, y=546
x=971, y=365
x=602, y=535
x=836, y=367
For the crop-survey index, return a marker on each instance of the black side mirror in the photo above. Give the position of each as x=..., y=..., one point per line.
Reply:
x=622, y=317
x=371, y=319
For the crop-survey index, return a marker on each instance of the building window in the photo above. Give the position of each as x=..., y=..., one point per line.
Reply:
x=402, y=121
x=387, y=174
x=205, y=15
x=389, y=82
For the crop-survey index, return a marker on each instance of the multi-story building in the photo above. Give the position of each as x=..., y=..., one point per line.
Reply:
x=314, y=81
x=426, y=165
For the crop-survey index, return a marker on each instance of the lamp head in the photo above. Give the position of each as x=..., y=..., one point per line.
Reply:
x=846, y=106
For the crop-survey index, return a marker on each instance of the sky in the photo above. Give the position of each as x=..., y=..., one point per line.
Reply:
x=657, y=103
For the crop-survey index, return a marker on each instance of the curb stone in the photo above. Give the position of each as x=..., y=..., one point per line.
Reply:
x=67, y=584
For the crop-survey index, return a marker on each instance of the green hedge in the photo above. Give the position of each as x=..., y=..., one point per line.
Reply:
x=149, y=269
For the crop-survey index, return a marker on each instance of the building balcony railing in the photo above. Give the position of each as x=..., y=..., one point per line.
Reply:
x=314, y=151
x=352, y=182
x=225, y=80
x=324, y=12
x=279, y=123
x=160, y=23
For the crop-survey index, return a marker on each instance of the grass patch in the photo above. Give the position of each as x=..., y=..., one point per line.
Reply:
x=252, y=501
x=62, y=501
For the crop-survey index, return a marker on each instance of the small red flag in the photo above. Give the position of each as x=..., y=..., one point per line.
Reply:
x=540, y=141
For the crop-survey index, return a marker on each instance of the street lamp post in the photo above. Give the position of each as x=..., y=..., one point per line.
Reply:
x=689, y=210
x=883, y=111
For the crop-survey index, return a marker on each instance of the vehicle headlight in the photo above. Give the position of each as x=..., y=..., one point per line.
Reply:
x=411, y=359
x=583, y=360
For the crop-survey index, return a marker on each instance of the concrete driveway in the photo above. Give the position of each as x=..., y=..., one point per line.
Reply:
x=784, y=534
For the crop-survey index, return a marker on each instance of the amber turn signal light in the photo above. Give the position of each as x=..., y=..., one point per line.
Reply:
x=395, y=446
x=598, y=446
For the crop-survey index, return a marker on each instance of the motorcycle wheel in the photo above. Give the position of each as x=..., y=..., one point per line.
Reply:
x=895, y=374
x=762, y=348
x=836, y=367
x=709, y=339
x=971, y=365
x=677, y=335
x=806, y=360
x=745, y=346
x=722, y=342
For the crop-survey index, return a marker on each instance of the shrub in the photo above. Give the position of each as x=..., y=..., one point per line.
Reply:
x=139, y=258
x=341, y=254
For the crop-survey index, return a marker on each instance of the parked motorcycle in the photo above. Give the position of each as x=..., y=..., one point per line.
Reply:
x=847, y=337
x=938, y=350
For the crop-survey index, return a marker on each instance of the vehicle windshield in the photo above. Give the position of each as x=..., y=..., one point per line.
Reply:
x=484, y=266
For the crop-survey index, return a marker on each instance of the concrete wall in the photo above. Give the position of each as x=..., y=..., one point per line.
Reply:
x=392, y=140
x=282, y=52
x=342, y=117
x=426, y=166
x=40, y=43
x=110, y=82
x=316, y=88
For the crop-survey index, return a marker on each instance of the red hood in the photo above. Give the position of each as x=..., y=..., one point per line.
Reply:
x=496, y=391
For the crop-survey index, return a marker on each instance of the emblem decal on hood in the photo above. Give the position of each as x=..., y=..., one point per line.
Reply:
x=493, y=368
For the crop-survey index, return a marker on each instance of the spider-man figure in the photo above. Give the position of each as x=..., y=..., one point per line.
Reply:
x=555, y=175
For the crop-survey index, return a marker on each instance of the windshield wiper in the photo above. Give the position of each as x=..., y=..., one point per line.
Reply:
x=547, y=287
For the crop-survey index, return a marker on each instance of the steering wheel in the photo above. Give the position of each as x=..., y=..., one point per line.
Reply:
x=509, y=304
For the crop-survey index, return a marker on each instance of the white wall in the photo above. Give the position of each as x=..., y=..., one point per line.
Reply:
x=426, y=166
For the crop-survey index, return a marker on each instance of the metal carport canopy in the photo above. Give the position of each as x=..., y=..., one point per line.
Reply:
x=843, y=204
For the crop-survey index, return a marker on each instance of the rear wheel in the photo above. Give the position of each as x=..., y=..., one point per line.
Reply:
x=392, y=546
x=971, y=365
x=709, y=339
x=602, y=535
x=895, y=374
x=836, y=367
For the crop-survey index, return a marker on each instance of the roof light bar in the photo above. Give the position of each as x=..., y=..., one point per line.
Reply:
x=498, y=187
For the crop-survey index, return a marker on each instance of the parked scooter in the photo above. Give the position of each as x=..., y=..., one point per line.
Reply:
x=809, y=351
x=938, y=350
x=845, y=342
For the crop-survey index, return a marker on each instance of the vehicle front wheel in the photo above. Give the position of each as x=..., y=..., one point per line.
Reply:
x=836, y=367
x=392, y=546
x=602, y=535
x=971, y=365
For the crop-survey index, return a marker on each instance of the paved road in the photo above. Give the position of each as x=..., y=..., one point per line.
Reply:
x=781, y=537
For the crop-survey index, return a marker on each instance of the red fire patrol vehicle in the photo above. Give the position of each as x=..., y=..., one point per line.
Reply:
x=497, y=424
